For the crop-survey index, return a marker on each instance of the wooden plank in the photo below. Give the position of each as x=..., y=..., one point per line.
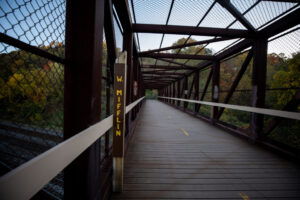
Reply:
x=164, y=163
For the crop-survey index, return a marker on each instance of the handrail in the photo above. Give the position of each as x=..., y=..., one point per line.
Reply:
x=265, y=111
x=27, y=179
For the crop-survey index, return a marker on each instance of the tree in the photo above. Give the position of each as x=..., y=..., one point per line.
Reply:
x=287, y=77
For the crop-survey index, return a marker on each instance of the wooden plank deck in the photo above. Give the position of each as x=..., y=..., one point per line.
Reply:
x=175, y=156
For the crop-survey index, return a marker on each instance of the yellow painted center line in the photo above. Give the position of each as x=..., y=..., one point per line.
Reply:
x=245, y=197
x=169, y=117
x=185, y=133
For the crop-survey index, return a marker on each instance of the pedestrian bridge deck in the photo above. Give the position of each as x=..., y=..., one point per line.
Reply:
x=175, y=156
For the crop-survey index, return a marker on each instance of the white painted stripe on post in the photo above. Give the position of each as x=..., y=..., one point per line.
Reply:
x=27, y=179
x=276, y=113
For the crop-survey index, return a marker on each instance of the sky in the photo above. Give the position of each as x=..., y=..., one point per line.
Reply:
x=189, y=13
x=42, y=21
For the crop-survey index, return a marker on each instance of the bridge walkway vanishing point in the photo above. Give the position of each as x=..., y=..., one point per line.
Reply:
x=173, y=155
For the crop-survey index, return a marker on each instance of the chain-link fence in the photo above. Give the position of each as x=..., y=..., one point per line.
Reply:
x=31, y=83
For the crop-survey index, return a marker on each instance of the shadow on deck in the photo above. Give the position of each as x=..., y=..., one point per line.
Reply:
x=175, y=156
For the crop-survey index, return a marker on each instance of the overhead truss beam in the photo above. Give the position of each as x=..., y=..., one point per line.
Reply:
x=236, y=13
x=187, y=45
x=191, y=30
x=177, y=56
x=170, y=67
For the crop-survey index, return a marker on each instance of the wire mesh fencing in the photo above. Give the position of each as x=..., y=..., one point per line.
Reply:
x=31, y=84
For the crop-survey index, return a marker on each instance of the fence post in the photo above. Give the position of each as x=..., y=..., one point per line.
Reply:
x=120, y=79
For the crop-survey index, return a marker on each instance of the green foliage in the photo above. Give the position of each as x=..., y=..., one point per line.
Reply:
x=151, y=94
x=287, y=77
x=31, y=88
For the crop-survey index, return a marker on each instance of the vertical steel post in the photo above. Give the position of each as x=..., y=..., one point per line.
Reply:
x=258, y=86
x=196, y=85
x=128, y=47
x=215, y=88
x=82, y=102
x=178, y=92
x=185, y=91
x=108, y=85
x=173, y=93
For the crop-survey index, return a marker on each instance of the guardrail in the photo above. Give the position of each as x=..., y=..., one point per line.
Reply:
x=27, y=179
x=272, y=112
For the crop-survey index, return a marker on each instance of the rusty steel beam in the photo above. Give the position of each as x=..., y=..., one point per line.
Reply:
x=109, y=32
x=158, y=77
x=215, y=88
x=174, y=62
x=158, y=81
x=177, y=56
x=173, y=92
x=236, y=13
x=171, y=67
x=191, y=88
x=205, y=88
x=163, y=73
x=235, y=49
x=82, y=102
x=187, y=45
x=236, y=81
x=286, y=22
x=122, y=9
x=191, y=30
x=32, y=49
x=178, y=92
x=185, y=88
x=290, y=106
x=259, y=75
x=196, y=95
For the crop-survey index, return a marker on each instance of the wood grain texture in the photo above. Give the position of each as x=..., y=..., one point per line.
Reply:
x=164, y=163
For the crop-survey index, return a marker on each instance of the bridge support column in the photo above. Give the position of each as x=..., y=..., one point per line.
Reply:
x=120, y=79
x=258, y=86
x=82, y=106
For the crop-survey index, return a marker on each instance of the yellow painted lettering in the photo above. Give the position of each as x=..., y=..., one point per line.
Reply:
x=118, y=132
x=119, y=79
x=119, y=92
x=118, y=105
x=118, y=112
x=118, y=120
